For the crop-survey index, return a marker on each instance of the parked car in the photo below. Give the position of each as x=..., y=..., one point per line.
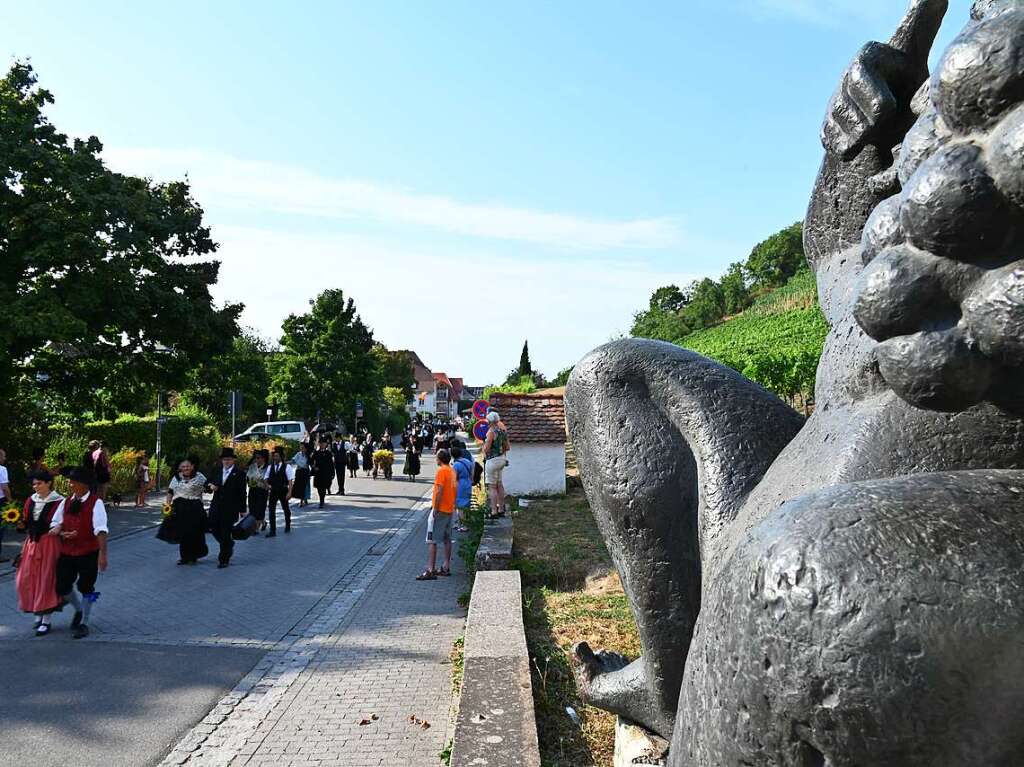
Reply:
x=294, y=430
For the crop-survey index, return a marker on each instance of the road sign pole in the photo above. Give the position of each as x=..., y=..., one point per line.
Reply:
x=159, y=434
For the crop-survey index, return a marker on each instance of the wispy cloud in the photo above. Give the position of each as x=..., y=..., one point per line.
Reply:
x=564, y=306
x=272, y=187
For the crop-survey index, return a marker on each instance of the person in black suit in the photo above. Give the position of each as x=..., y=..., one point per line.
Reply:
x=340, y=449
x=228, y=504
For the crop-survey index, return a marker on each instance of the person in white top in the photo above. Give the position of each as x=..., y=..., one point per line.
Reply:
x=281, y=477
x=81, y=523
x=5, y=498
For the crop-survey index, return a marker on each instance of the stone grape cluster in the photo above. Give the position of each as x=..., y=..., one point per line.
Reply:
x=943, y=286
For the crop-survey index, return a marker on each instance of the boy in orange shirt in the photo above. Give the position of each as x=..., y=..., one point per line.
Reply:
x=439, y=526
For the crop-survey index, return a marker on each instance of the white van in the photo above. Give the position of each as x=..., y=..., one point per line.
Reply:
x=294, y=430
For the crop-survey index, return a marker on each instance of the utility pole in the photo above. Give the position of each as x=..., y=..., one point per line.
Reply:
x=159, y=434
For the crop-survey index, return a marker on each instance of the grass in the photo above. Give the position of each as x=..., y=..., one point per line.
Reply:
x=571, y=593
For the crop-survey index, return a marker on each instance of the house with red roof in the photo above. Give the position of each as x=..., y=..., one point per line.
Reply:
x=537, y=435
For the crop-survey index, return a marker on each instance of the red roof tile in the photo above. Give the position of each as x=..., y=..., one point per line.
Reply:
x=531, y=417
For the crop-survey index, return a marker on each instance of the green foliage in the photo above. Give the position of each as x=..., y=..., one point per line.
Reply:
x=326, y=363
x=779, y=351
x=563, y=376
x=182, y=435
x=395, y=370
x=525, y=366
x=778, y=258
x=525, y=385
x=104, y=289
x=243, y=368
x=735, y=293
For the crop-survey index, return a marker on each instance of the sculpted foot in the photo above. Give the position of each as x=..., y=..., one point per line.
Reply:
x=610, y=681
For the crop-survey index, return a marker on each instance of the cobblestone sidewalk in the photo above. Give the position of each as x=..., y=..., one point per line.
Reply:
x=365, y=679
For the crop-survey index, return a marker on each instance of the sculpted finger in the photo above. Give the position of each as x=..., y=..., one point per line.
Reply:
x=916, y=33
x=870, y=93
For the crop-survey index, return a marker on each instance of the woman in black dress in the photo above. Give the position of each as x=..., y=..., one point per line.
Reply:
x=185, y=494
x=412, y=461
x=322, y=463
x=368, y=454
x=259, y=490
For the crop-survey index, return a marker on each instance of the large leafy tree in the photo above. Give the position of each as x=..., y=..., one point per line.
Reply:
x=105, y=293
x=326, y=363
x=244, y=368
x=778, y=258
x=395, y=369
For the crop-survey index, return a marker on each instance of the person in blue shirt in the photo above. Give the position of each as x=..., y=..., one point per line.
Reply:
x=463, y=465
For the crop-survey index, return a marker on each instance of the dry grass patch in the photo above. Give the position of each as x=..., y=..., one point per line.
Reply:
x=571, y=593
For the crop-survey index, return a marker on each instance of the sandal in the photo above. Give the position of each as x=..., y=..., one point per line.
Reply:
x=427, y=575
x=445, y=572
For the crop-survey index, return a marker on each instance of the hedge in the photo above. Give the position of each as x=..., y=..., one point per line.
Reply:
x=181, y=435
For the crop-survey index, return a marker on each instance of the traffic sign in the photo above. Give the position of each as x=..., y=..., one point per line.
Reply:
x=480, y=430
x=480, y=409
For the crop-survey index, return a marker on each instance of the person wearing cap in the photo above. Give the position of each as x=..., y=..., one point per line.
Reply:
x=81, y=523
x=495, y=452
x=280, y=479
x=228, y=504
x=36, y=581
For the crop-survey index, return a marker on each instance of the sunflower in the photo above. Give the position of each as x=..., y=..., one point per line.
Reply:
x=165, y=510
x=11, y=515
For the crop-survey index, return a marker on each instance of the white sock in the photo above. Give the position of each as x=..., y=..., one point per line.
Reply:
x=75, y=600
x=45, y=620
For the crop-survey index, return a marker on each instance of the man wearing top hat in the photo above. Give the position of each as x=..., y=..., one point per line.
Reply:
x=228, y=486
x=81, y=523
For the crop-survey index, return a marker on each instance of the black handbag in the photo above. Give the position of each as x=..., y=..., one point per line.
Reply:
x=168, y=531
x=245, y=527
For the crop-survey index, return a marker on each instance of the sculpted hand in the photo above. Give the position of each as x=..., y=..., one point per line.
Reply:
x=873, y=97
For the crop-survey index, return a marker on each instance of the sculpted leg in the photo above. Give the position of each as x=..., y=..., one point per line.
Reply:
x=668, y=443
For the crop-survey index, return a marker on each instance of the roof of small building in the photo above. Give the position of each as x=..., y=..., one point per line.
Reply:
x=532, y=417
x=442, y=378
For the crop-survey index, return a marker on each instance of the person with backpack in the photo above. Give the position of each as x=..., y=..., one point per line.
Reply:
x=495, y=450
x=464, y=485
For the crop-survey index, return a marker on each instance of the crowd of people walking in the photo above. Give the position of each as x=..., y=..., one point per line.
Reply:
x=65, y=547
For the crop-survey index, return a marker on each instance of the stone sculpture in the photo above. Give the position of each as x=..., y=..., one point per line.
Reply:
x=847, y=590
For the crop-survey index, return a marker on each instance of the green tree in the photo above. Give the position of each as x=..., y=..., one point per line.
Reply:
x=326, y=362
x=525, y=366
x=395, y=399
x=778, y=258
x=563, y=376
x=245, y=368
x=735, y=292
x=395, y=369
x=706, y=305
x=104, y=290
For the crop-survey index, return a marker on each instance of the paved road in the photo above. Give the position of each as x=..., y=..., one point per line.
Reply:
x=279, y=656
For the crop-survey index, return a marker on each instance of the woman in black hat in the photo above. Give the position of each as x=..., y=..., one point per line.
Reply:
x=185, y=494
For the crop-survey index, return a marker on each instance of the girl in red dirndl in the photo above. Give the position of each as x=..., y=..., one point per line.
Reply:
x=36, y=581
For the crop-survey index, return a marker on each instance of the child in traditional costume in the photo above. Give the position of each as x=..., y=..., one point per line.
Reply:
x=36, y=581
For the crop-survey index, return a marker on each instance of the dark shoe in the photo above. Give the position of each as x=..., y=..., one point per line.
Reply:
x=80, y=632
x=288, y=529
x=321, y=505
x=42, y=629
x=182, y=562
x=426, y=575
x=271, y=534
x=221, y=565
x=445, y=572
x=77, y=620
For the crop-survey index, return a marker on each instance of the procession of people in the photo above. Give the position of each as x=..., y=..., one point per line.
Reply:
x=65, y=547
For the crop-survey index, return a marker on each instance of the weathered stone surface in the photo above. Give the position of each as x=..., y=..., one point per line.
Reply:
x=495, y=726
x=844, y=591
x=495, y=552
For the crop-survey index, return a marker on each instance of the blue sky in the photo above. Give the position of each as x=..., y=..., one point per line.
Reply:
x=536, y=167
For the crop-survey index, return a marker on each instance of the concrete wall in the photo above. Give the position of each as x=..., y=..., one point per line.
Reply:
x=495, y=725
x=535, y=469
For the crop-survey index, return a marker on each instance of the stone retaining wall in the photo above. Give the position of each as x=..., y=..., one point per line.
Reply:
x=495, y=726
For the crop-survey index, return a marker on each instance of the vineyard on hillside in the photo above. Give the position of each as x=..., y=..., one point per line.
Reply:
x=777, y=342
